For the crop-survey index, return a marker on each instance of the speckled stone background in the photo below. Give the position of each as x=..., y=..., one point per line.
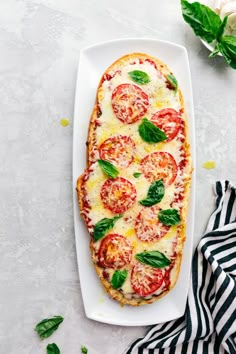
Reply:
x=39, y=48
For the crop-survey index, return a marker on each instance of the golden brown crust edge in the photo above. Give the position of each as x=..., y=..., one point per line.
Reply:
x=91, y=141
x=79, y=192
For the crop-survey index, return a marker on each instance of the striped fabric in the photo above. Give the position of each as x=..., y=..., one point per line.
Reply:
x=209, y=322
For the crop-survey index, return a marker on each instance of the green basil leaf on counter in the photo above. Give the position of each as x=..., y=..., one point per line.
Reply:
x=84, y=350
x=169, y=217
x=172, y=81
x=103, y=226
x=137, y=174
x=53, y=349
x=227, y=47
x=109, y=169
x=154, y=259
x=155, y=194
x=139, y=76
x=118, y=278
x=150, y=133
x=204, y=21
x=47, y=326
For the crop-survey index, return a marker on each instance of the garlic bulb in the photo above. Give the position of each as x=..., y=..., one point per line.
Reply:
x=227, y=8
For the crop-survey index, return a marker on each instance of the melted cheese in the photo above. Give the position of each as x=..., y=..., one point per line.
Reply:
x=95, y=182
x=126, y=287
x=159, y=97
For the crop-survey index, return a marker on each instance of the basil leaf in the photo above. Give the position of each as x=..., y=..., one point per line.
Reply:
x=155, y=259
x=103, y=226
x=169, y=217
x=150, y=133
x=155, y=194
x=221, y=28
x=140, y=77
x=109, y=169
x=215, y=51
x=227, y=47
x=53, y=349
x=137, y=174
x=204, y=21
x=172, y=81
x=47, y=326
x=118, y=278
x=84, y=350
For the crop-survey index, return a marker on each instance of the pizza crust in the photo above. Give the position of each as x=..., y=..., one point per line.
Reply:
x=91, y=158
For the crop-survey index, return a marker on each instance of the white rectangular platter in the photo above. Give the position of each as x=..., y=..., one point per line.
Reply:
x=93, y=62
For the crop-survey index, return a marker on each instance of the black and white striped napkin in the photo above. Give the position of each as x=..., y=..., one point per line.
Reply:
x=209, y=322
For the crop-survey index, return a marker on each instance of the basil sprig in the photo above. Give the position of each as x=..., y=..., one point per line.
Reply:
x=172, y=81
x=208, y=25
x=204, y=21
x=47, y=326
x=150, y=133
x=84, y=350
x=53, y=349
x=139, y=76
x=118, y=278
x=103, y=226
x=137, y=174
x=155, y=194
x=169, y=217
x=155, y=259
x=109, y=169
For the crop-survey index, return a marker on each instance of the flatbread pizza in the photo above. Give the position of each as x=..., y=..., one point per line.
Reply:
x=134, y=193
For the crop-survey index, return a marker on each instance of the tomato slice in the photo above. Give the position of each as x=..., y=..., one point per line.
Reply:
x=119, y=150
x=159, y=165
x=147, y=226
x=145, y=280
x=129, y=103
x=118, y=194
x=115, y=251
x=169, y=121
